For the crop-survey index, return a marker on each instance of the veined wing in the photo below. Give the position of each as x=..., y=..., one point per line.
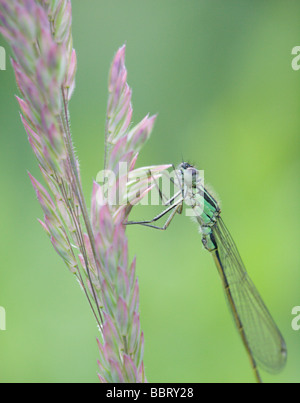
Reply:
x=264, y=340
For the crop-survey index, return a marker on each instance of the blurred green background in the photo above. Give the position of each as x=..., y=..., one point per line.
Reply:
x=219, y=76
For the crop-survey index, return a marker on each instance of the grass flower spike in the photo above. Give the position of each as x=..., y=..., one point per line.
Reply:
x=92, y=244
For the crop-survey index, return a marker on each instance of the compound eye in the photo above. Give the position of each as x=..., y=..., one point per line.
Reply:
x=185, y=165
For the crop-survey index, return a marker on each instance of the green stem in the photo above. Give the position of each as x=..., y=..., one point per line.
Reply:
x=79, y=194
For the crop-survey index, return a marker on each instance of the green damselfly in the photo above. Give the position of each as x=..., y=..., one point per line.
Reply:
x=261, y=338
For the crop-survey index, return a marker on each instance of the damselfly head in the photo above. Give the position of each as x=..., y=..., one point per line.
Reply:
x=189, y=174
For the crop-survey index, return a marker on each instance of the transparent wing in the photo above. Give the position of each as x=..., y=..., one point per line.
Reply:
x=263, y=337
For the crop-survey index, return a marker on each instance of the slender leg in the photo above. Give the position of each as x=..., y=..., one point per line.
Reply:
x=182, y=187
x=162, y=197
x=177, y=208
x=171, y=179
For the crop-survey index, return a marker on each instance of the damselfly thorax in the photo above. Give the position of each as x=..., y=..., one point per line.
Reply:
x=206, y=210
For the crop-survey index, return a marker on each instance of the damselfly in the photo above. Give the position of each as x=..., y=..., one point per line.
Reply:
x=261, y=338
